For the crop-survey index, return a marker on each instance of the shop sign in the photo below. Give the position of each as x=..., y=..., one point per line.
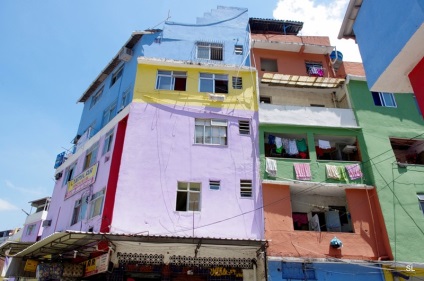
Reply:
x=82, y=181
x=31, y=265
x=96, y=265
x=222, y=271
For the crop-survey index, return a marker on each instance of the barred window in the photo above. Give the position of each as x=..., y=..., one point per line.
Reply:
x=210, y=51
x=237, y=82
x=246, y=188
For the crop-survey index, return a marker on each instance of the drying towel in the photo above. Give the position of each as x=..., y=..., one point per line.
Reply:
x=271, y=167
x=303, y=171
x=314, y=223
x=332, y=172
x=342, y=172
x=324, y=144
x=354, y=171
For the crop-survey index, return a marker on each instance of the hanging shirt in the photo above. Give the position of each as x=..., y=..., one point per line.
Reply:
x=301, y=145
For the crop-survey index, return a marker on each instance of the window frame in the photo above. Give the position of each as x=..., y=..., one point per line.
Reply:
x=125, y=99
x=238, y=49
x=80, y=209
x=96, y=203
x=30, y=228
x=107, y=144
x=91, y=156
x=379, y=99
x=206, y=78
x=214, y=125
x=116, y=75
x=188, y=192
x=96, y=97
x=210, y=51
x=237, y=82
x=244, y=127
x=214, y=185
x=174, y=76
x=69, y=173
x=109, y=113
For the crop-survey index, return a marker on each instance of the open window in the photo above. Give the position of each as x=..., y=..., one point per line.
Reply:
x=286, y=145
x=269, y=65
x=337, y=148
x=408, y=151
x=320, y=211
x=314, y=69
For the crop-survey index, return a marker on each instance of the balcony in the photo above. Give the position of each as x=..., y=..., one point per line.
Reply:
x=307, y=116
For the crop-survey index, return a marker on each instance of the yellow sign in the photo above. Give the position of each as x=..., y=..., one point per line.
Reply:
x=31, y=265
x=82, y=181
x=96, y=265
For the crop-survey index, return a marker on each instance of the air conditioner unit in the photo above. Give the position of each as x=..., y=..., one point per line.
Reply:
x=216, y=97
x=47, y=223
x=125, y=54
x=58, y=175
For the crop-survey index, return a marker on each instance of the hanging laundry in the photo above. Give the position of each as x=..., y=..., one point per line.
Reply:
x=292, y=148
x=301, y=145
x=354, y=171
x=300, y=219
x=324, y=144
x=271, y=167
x=314, y=223
x=303, y=171
x=285, y=144
x=332, y=172
x=278, y=145
x=319, y=151
x=332, y=220
x=342, y=172
x=271, y=139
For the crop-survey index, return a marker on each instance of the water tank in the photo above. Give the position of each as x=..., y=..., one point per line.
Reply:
x=336, y=59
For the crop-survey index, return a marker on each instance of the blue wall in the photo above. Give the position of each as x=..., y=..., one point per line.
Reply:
x=279, y=271
x=382, y=28
x=176, y=41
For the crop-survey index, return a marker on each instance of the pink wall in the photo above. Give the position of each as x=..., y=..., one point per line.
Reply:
x=290, y=62
x=365, y=243
x=159, y=151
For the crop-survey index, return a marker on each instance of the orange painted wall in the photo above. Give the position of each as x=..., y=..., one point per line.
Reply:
x=365, y=243
x=291, y=62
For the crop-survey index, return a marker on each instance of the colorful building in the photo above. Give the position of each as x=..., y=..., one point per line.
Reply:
x=163, y=179
x=389, y=35
x=317, y=191
x=393, y=128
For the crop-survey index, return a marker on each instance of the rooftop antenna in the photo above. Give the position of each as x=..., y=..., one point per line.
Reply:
x=167, y=18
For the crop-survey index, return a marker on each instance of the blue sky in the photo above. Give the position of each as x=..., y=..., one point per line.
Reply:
x=51, y=51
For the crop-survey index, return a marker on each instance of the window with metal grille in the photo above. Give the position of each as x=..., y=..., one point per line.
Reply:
x=246, y=188
x=244, y=127
x=213, y=83
x=188, y=196
x=314, y=69
x=238, y=49
x=210, y=51
x=214, y=184
x=237, y=82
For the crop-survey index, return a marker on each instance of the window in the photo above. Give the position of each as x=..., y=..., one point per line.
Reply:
x=269, y=65
x=96, y=97
x=213, y=83
x=383, y=99
x=314, y=69
x=109, y=113
x=108, y=142
x=408, y=151
x=171, y=80
x=116, y=75
x=69, y=174
x=286, y=145
x=237, y=83
x=337, y=148
x=214, y=184
x=210, y=51
x=421, y=201
x=188, y=196
x=30, y=229
x=238, y=49
x=244, y=127
x=246, y=188
x=125, y=100
x=96, y=203
x=211, y=131
x=91, y=156
x=263, y=99
x=79, y=210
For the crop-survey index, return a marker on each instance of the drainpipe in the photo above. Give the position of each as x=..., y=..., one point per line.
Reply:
x=334, y=98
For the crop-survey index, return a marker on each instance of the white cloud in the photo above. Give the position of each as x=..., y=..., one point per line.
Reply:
x=6, y=206
x=27, y=191
x=320, y=18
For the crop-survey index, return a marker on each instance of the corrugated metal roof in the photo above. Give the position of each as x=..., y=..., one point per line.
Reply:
x=10, y=248
x=271, y=26
x=301, y=81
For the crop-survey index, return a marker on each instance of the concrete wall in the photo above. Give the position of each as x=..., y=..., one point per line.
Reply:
x=397, y=187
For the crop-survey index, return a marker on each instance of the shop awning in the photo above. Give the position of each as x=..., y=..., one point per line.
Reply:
x=10, y=248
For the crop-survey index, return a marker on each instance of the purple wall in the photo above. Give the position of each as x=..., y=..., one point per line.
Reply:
x=159, y=151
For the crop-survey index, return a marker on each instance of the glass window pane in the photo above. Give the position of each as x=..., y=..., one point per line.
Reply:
x=388, y=99
x=164, y=83
x=182, y=186
x=206, y=75
x=199, y=134
x=194, y=201
x=206, y=85
x=181, y=201
x=202, y=52
x=195, y=186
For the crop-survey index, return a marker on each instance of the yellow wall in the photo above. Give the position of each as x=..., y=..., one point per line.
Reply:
x=410, y=271
x=241, y=99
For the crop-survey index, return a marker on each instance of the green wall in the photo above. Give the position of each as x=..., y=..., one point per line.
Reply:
x=397, y=187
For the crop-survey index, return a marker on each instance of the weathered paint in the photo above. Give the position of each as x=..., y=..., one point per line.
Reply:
x=366, y=242
x=397, y=187
x=325, y=271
